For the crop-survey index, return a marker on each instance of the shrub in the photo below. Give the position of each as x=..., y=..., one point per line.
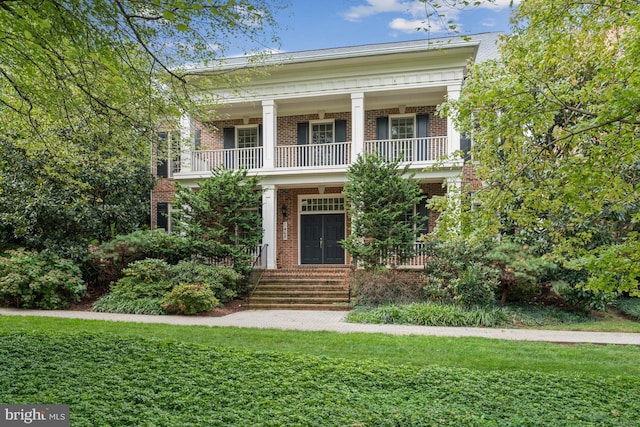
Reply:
x=371, y=287
x=148, y=278
x=629, y=307
x=454, y=273
x=189, y=299
x=107, y=261
x=118, y=304
x=225, y=282
x=42, y=280
x=430, y=314
x=475, y=285
x=585, y=299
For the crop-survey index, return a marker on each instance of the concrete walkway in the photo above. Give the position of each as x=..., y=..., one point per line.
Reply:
x=334, y=321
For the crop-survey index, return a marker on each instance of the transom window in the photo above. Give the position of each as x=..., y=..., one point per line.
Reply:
x=402, y=127
x=322, y=133
x=323, y=204
x=247, y=137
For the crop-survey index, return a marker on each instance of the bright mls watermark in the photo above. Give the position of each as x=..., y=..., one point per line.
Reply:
x=34, y=415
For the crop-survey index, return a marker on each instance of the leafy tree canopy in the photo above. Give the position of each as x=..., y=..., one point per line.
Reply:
x=380, y=201
x=555, y=123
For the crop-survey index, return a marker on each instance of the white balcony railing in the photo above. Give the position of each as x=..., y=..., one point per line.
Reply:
x=240, y=158
x=313, y=155
x=410, y=150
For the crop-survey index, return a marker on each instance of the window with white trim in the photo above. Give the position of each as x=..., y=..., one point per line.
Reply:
x=402, y=127
x=247, y=137
x=322, y=133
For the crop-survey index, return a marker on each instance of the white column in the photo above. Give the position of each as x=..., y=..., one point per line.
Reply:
x=269, y=218
x=453, y=93
x=186, y=143
x=357, y=125
x=270, y=132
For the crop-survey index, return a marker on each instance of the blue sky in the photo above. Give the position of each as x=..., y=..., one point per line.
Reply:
x=316, y=24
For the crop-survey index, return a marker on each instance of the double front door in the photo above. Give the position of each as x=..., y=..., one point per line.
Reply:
x=320, y=236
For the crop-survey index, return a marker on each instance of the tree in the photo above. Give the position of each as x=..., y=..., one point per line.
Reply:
x=381, y=199
x=63, y=200
x=83, y=86
x=555, y=124
x=222, y=216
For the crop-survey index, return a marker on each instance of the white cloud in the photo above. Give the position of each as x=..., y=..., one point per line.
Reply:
x=374, y=7
x=414, y=14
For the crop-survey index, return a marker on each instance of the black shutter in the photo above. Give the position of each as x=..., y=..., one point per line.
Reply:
x=162, y=216
x=422, y=124
x=303, y=139
x=303, y=133
x=197, y=139
x=423, y=213
x=162, y=167
x=259, y=135
x=229, y=136
x=341, y=131
x=465, y=146
x=340, y=136
x=422, y=131
x=382, y=127
x=229, y=140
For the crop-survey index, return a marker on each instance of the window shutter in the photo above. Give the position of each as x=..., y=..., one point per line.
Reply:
x=303, y=133
x=162, y=215
x=465, y=146
x=259, y=135
x=229, y=138
x=382, y=127
x=197, y=139
x=422, y=124
x=341, y=131
x=423, y=213
x=162, y=167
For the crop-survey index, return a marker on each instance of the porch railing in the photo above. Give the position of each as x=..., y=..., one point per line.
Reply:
x=313, y=155
x=411, y=150
x=415, y=262
x=237, y=158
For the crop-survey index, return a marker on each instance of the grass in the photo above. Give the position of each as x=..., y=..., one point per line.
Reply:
x=126, y=380
x=419, y=351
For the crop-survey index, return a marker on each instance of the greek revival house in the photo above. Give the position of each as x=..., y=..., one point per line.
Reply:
x=301, y=124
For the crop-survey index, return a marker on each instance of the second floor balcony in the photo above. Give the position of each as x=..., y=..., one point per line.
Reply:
x=419, y=151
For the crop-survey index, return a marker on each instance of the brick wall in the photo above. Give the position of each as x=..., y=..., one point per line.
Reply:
x=211, y=134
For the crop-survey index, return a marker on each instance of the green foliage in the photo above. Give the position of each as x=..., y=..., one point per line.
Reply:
x=455, y=273
x=379, y=195
x=111, y=303
x=554, y=125
x=585, y=299
x=168, y=382
x=38, y=280
x=474, y=285
x=439, y=314
x=188, y=298
x=375, y=287
x=69, y=193
x=629, y=307
x=223, y=281
x=222, y=216
x=148, y=278
x=430, y=314
x=519, y=267
x=107, y=260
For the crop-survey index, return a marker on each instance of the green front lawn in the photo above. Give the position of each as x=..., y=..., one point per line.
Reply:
x=123, y=374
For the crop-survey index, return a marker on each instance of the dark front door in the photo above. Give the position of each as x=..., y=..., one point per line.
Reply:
x=320, y=237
